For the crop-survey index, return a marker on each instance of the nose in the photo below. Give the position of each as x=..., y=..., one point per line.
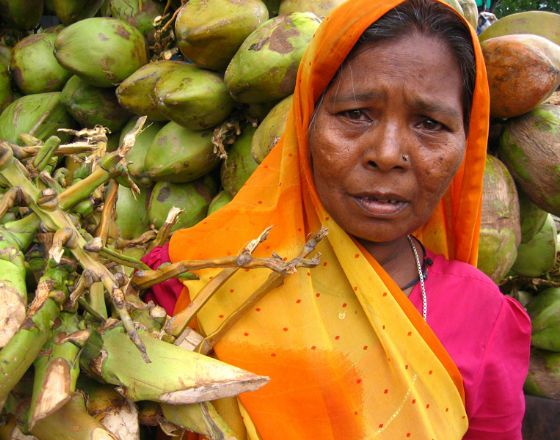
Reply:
x=387, y=147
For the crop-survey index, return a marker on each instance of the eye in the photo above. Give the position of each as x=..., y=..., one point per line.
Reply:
x=431, y=125
x=354, y=115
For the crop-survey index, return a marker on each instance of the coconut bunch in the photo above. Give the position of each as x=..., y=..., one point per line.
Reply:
x=519, y=242
x=82, y=355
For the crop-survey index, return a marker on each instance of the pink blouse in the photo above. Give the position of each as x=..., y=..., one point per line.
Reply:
x=488, y=336
x=486, y=333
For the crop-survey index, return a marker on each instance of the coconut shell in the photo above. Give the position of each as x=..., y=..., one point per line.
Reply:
x=40, y=115
x=131, y=213
x=543, y=23
x=102, y=51
x=5, y=55
x=532, y=217
x=193, y=198
x=180, y=155
x=500, y=229
x=6, y=94
x=209, y=32
x=34, y=67
x=538, y=255
x=265, y=66
x=192, y=97
x=523, y=71
x=141, y=18
x=137, y=155
x=543, y=378
x=240, y=164
x=136, y=93
x=91, y=106
x=71, y=11
x=270, y=129
x=530, y=148
x=220, y=200
x=321, y=8
x=21, y=14
x=544, y=311
x=470, y=11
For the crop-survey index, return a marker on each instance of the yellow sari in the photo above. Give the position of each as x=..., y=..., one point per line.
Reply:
x=348, y=355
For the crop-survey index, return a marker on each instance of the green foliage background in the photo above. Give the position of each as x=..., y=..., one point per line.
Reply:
x=506, y=7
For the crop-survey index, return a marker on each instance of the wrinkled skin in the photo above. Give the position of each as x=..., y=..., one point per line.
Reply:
x=385, y=142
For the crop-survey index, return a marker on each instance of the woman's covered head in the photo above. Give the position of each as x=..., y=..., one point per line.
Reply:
x=389, y=131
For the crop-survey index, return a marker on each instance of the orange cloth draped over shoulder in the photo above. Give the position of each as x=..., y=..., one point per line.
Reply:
x=348, y=355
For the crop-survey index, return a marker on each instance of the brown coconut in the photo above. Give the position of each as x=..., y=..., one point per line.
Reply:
x=523, y=71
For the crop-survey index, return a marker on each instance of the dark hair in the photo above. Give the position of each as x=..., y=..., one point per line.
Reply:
x=429, y=18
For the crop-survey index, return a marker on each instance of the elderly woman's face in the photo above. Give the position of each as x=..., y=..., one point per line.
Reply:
x=388, y=137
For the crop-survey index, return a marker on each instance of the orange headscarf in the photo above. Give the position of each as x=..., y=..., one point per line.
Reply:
x=347, y=353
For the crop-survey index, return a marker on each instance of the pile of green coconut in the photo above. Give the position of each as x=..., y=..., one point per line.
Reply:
x=214, y=79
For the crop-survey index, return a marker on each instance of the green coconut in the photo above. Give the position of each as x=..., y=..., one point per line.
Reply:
x=192, y=97
x=180, y=155
x=102, y=51
x=136, y=93
x=240, y=164
x=6, y=95
x=265, y=66
x=140, y=17
x=270, y=129
x=70, y=11
x=321, y=8
x=530, y=148
x=21, y=14
x=209, y=32
x=219, y=201
x=40, y=115
x=500, y=229
x=543, y=378
x=544, y=311
x=131, y=213
x=532, y=217
x=543, y=23
x=5, y=55
x=193, y=198
x=34, y=67
x=538, y=255
x=91, y=106
x=470, y=11
x=137, y=155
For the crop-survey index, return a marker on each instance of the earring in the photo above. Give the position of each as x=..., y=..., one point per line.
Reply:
x=405, y=157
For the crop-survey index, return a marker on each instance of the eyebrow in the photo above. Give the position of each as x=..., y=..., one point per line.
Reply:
x=438, y=108
x=420, y=103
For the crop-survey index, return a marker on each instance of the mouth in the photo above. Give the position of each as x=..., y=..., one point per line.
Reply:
x=381, y=206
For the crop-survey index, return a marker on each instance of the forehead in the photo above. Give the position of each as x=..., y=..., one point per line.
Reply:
x=413, y=60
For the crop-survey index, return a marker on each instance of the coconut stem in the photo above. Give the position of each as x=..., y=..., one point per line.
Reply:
x=274, y=280
x=72, y=416
x=110, y=254
x=12, y=197
x=108, y=212
x=22, y=349
x=57, y=368
x=164, y=232
x=55, y=218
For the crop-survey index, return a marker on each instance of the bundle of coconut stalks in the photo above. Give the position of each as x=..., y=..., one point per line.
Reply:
x=88, y=186
x=82, y=312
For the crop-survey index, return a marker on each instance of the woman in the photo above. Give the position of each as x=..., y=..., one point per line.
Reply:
x=386, y=137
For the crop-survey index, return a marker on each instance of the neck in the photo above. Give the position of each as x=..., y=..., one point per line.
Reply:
x=396, y=258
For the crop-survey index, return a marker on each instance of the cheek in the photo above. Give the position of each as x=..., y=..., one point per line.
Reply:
x=438, y=170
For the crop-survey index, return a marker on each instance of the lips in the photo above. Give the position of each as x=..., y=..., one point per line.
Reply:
x=381, y=205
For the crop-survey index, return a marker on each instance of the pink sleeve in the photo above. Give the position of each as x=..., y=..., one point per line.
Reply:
x=498, y=404
x=164, y=294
